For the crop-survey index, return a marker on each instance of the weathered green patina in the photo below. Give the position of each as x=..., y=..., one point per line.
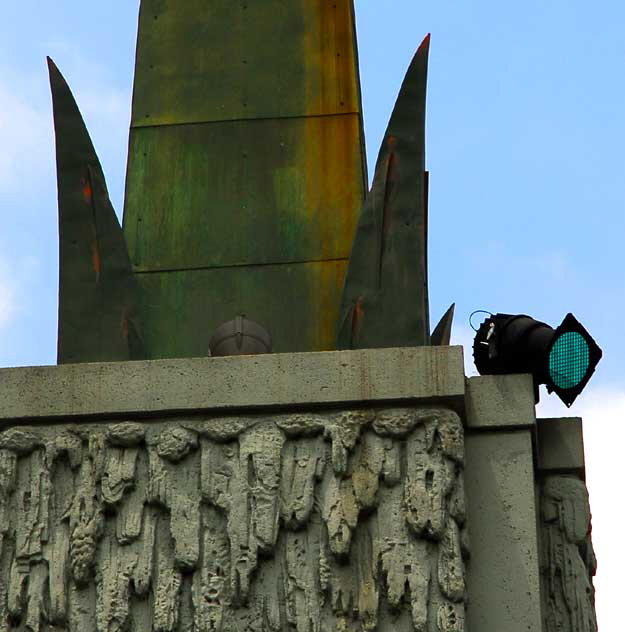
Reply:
x=241, y=193
x=246, y=168
x=385, y=300
x=220, y=60
x=97, y=289
x=193, y=303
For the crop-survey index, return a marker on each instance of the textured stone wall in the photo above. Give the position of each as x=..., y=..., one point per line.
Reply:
x=349, y=520
x=567, y=558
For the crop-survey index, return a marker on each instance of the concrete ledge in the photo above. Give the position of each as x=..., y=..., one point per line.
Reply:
x=426, y=374
x=500, y=401
x=560, y=445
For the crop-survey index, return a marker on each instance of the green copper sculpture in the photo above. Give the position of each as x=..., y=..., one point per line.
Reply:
x=245, y=177
x=246, y=169
x=442, y=332
x=385, y=300
x=97, y=289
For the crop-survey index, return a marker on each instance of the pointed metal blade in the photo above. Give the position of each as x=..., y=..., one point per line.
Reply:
x=97, y=288
x=441, y=336
x=385, y=298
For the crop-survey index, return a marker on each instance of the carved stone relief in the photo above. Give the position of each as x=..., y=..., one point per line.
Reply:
x=346, y=521
x=568, y=561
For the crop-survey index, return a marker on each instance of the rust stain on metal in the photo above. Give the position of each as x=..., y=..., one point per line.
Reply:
x=330, y=58
x=87, y=191
x=330, y=158
x=96, y=259
x=125, y=325
x=332, y=151
x=387, y=209
x=325, y=285
x=329, y=155
x=357, y=317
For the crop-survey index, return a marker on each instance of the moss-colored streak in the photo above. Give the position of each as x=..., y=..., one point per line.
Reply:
x=239, y=192
x=245, y=173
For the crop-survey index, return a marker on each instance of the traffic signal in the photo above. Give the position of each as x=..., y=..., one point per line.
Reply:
x=563, y=359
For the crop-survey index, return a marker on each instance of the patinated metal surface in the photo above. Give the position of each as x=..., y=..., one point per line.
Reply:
x=441, y=336
x=97, y=289
x=246, y=151
x=243, y=192
x=215, y=60
x=385, y=301
x=300, y=308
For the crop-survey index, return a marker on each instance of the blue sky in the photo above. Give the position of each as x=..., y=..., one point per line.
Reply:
x=525, y=137
x=525, y=128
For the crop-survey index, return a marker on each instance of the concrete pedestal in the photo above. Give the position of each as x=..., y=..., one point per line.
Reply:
x=356, y=490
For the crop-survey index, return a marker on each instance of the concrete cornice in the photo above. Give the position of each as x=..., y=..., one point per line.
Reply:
x=500, y=402
x=421, y=374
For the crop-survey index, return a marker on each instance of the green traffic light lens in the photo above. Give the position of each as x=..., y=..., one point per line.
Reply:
x=569, y=360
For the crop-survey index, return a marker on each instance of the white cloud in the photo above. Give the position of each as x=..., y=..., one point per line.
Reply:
x=602, y=409
x=26, y=140
x=7, y=302
x=27, y=160
x=105, y=107
x=9, y=285
x=603, y=413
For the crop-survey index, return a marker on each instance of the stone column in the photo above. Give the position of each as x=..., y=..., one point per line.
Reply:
x=503, y=576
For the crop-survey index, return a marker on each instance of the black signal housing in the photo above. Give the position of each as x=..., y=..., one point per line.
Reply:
x=563, y=359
